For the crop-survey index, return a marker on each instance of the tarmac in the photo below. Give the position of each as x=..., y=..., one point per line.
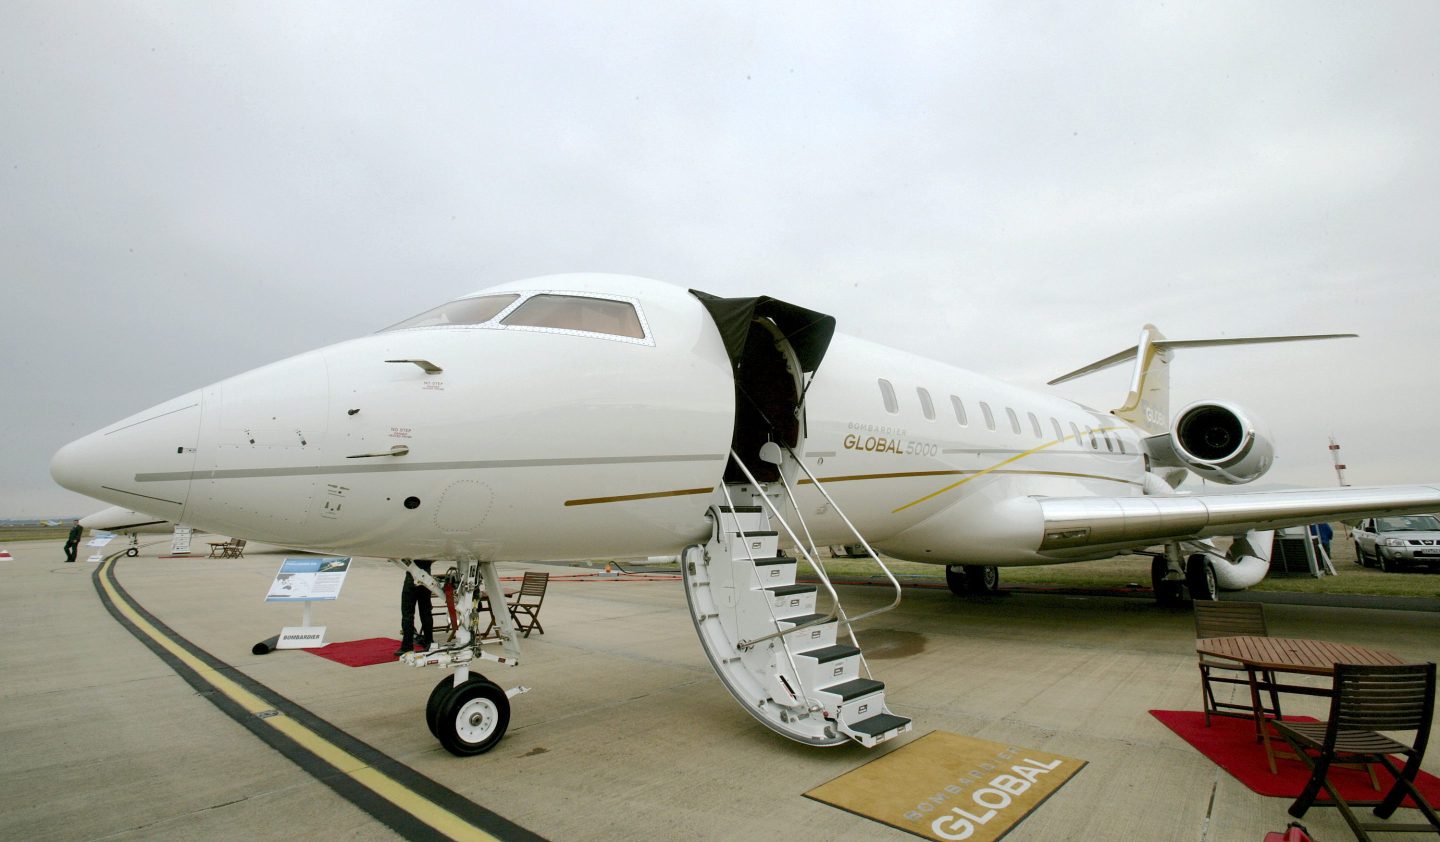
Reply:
x=155, y=721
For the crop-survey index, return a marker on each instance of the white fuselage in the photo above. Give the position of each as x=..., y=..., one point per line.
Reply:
x=536, y=443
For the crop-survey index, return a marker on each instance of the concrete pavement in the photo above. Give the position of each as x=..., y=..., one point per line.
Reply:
x=627, y=733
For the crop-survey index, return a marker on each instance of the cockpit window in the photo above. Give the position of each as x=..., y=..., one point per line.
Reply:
x=573, y=312
x=462, y=311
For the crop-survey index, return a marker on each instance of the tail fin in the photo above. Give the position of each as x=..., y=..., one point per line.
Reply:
x=1148, y=404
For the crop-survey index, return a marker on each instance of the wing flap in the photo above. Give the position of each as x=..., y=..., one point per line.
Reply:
x=1087, y=524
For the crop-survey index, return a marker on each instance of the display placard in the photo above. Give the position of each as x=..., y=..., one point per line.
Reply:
x=307, y=579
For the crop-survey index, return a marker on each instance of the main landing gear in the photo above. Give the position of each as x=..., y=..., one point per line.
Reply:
x=972, y=579
x=1173, y=580
x=467, y=712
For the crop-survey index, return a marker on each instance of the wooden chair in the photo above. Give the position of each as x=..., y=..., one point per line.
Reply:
x=1230, y=619
x=233, y=548
x=1365, y=701
x=525, y=610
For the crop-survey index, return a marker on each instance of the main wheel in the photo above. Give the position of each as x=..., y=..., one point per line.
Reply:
x=1359, y=556
x=956, y=580
x=1200, y=578
x=1385, y=566
x=471, y=718
x=1166, y=593
x=982, y=579
x=131, y=552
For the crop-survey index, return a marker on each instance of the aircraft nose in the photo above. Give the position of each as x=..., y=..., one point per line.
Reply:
x=143, y=462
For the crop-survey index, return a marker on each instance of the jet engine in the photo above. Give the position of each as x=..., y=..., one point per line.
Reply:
x=1218, y=441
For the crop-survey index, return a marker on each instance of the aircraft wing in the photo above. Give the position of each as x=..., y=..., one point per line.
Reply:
x=1078, y=526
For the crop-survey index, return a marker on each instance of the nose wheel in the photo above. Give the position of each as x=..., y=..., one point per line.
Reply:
x=469, y=718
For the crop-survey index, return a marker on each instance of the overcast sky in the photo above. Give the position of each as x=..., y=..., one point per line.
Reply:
x=191, y=190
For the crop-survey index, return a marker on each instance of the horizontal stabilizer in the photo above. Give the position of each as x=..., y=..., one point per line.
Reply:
x=1168, y=344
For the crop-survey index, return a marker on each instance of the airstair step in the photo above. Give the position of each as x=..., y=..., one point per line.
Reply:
x=855, y=688
x=802, y=619
x=743, y=510
x=757, y=533
x=791, y=590
x=826, y=654
x=879, y=724
x=764, y=562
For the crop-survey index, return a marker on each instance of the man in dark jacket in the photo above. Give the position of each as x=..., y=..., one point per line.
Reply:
x=73, y=542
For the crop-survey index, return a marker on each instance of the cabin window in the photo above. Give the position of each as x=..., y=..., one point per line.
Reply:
x=887, y=394
x=1090, y=431
x=574, y=312
x=989, y=416
x=1119, y=441
x=1075, y=435
x=1108, y=445
x=463, y=311
x=959, y=411
x=1014, y=420
x=1059, y=433
x=927, y=406
x=1035, y=425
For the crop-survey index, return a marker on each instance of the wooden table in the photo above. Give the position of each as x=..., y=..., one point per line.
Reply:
x=1288, y=654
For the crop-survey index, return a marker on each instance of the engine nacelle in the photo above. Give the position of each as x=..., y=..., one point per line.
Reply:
x=1220, y=442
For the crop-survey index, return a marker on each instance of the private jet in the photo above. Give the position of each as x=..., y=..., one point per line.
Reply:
x=602, y=416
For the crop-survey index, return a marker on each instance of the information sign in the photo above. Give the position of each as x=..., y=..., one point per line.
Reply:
x=307, y=579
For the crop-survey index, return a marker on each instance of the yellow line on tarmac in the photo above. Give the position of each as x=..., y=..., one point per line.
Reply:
x=401, y=796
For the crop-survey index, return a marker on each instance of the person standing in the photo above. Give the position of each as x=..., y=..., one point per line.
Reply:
x=72, y=543
x=413, y=596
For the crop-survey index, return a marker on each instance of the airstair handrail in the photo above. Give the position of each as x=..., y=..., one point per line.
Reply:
x=853, y=531
x=834, y=597
x=819, y=566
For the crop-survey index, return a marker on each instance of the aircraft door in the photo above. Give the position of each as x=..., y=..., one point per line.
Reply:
x=768, y=390
x=772, y=346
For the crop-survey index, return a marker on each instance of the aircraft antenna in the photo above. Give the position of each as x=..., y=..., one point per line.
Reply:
x=1339, y=466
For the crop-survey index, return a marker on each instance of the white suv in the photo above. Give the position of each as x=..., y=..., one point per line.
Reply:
x=1395, y=543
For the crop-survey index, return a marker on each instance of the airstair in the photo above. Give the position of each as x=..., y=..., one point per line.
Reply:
x=786, y=651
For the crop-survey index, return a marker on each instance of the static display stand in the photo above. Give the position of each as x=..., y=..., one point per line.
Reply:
x=180, y=542
x=306, y=580
x=98, y=541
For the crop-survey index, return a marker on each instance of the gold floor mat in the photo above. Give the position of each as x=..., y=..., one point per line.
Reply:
x=948, y=787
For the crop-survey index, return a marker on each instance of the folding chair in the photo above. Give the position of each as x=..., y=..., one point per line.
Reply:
x=236, y=549
x=1231, y=619
x=525, y=610
x=1365, y=701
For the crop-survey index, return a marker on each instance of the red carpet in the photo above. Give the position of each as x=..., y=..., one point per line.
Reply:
x=360, y=653
x=1230, y=743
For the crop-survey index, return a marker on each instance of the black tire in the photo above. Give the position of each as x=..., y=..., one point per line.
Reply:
x=982, y=579
x=1200, y=579
x=1385, y=566
x=1359, y=556
x=472, y=718
x=955, y=579
x=1166, y=593
x=437, y=696
x=131, y=553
